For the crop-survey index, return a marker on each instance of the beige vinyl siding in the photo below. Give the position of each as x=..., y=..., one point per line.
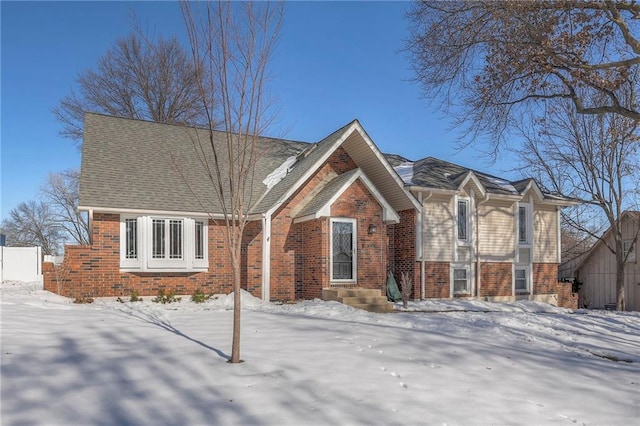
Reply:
x=496, y=231
x=438, y=229
x=545, y=234
x=598, y=275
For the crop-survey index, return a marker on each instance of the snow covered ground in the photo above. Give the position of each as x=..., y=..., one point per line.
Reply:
x=463, y=363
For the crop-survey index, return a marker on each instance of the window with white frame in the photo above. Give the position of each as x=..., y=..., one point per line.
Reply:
x=199, y=239
x=628, y=250
x=163, y=244
x=524, y=224
x=131, y=238
x=463, y=219
x=521, y=279
x=461, y=280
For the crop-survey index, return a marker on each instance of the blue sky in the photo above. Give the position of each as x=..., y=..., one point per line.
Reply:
x=336, y=61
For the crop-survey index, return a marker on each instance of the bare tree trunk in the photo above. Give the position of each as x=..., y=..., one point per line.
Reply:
x=231, y=44
x=237, y=303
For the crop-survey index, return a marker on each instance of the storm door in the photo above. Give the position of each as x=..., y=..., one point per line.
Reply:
x=343, y=249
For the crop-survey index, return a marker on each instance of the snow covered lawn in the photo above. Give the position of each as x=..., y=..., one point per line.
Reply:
x=111, y=363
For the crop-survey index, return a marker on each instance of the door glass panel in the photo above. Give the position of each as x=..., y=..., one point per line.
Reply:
x=342, y=250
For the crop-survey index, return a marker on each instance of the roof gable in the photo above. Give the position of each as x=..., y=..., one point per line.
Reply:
x=320, y=204
x=626, y=215
x=435, y=174
x=361, y=149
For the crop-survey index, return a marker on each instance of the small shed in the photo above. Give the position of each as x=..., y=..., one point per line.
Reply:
x=597, y=269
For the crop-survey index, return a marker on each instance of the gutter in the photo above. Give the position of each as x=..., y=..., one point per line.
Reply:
x=266, y=256
x=423, y=291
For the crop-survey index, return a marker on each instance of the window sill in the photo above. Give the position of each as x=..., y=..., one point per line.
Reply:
x=165, y=270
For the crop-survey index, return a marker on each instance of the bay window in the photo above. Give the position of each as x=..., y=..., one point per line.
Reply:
x=163, y=244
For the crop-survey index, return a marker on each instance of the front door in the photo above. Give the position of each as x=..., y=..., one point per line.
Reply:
x=343, y=250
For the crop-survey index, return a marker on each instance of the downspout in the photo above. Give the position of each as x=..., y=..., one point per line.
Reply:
x=477, y=242
x=266, y=257
x=90, y=226
x=423, y=291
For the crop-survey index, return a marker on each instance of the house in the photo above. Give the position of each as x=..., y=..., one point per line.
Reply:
x=329, y=214
x=322, y=214
x=483, y=236
x=596, y=269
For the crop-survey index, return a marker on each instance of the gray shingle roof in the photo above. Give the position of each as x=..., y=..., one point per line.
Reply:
x=141, y=165
x=326, y=193
x=434, y=173
x=305, y=161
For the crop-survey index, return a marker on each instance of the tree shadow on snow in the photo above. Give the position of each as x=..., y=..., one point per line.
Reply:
x=154, y=319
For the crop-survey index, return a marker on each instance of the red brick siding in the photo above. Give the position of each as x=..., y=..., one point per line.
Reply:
x=357, y=202
x=437, y=279
x=402, y=250
x=285, y=238
x=496, y=279
x=545, y=278
x=545, y=281
x=313, y=260
x=94, y=271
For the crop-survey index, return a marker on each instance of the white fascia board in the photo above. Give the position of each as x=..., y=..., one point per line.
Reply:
x=439, y=191
x=160, y=212
x=310, y=171
x=146, y=212
x=389, y=215
x=472, y=177
x=386, y=165
x=533, y=186
x=305, y=218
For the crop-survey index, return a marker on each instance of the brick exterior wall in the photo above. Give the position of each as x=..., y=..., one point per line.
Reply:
x=545, y=281
x=402, y=250
x=94, y=271
x=437, y=279
x=357, y=202
x=496, y=279
x=286, y=239
x=300, y=253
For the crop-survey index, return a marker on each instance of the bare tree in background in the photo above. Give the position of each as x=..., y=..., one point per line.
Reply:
x=137, y=78
x=61, y=192
x=485, y=61
x=593, y=158
x=33, y=223
x=233, y=43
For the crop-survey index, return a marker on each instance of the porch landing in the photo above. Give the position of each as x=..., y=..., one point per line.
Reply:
x=361, y=298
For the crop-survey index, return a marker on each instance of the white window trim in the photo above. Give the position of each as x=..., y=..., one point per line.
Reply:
x=469, y=240
x=166, y=262
x=528, y=271
x=145, y=261
x=467, y=268
x=529, y=224
x=354, y=258
x=124, y=262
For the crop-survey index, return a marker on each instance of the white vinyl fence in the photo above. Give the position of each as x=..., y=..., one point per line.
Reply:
x=21, y=264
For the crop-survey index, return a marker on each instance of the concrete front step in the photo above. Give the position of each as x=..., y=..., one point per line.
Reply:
x=356, y=300
x=375, y=307
x=339, y=293
x=361, y=298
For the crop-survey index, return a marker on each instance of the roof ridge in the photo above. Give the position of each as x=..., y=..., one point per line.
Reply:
x=189, y=126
